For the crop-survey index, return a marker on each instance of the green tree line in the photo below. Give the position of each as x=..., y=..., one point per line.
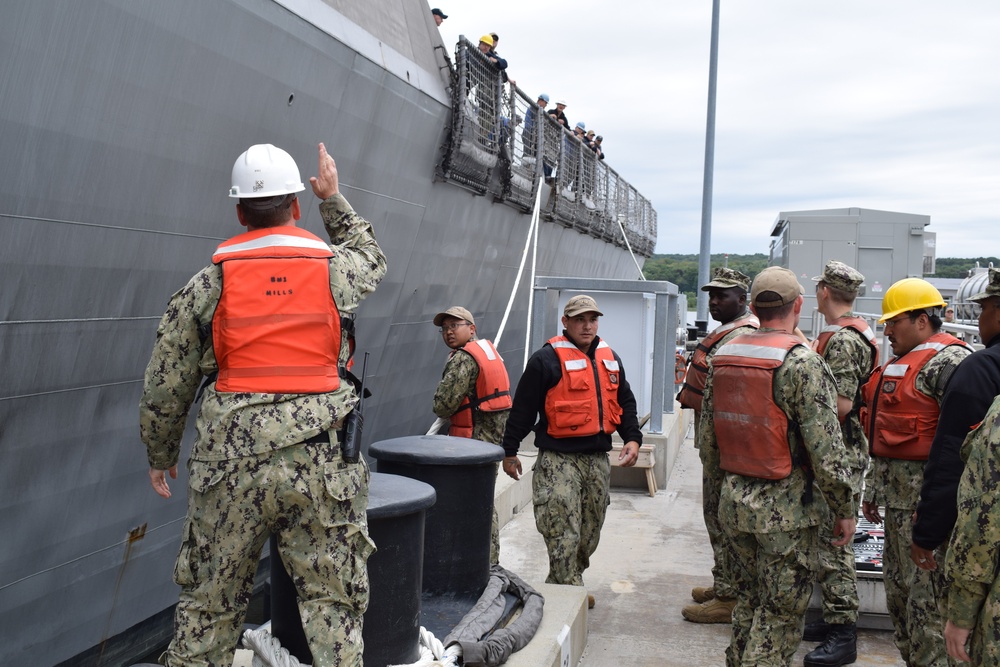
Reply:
x=682, y=270
x=957, y=267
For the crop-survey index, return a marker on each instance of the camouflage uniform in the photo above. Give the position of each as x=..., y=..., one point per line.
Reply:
x=772, y=525
x=973, y=559
x=711, y=488
x=458, y=381
x=914, y=597
x=849, y=357
x=252, y=472
x=571, y=494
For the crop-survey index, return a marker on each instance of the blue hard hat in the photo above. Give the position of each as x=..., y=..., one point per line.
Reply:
x=545, y=97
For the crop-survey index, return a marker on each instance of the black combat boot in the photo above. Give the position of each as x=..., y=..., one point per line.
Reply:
x=840, y=648
x=816, y=631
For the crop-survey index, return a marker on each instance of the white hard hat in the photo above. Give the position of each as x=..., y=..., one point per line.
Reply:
x=264, y=170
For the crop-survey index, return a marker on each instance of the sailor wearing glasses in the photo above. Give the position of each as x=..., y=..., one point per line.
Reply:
x=474, y=391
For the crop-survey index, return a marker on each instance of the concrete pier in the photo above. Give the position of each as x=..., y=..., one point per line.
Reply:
x=653, y=551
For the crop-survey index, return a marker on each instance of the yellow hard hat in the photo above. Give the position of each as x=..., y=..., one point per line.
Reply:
x=487, y=38
x=909, y=294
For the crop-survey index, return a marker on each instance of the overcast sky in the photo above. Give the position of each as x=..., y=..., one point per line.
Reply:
x=884, y=104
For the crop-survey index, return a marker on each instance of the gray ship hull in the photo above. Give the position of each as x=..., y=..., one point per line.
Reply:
x=119, y=122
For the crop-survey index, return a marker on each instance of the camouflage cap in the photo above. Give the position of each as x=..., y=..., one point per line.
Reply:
x=581, y=303
x=725, y=278
x=454, y=311
x=841, y=276
x=775, y=286
x=992, y=287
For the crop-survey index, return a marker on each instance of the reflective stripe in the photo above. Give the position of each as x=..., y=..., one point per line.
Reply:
x=487, y=348
x=576, y=364
x=738, y=322
x=895, y=370
x=834, y=328
x=611, y=365
x=929, y=346
x=752, y=351
x=568, y=344
x=274, y=240
x=742, y=418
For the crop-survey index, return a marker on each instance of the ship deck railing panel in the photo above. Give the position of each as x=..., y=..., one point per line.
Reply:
x=475, y=128
x=520, y=151
x=566, y=179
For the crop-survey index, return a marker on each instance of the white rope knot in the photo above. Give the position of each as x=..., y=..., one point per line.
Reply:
x=267, y=650
x=433, y=653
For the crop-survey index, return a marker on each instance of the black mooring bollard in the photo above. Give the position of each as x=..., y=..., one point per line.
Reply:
x=396, y=510
x=457, y=532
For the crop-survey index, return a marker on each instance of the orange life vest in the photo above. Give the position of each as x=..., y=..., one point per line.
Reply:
x=585, y=400
x=750, y=427
x=900, y=420
x=276, y=329
x=690, y=395
x=849, y=322
x=492, y=388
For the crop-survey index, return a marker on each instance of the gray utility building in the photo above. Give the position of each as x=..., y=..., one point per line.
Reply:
x=883, y=245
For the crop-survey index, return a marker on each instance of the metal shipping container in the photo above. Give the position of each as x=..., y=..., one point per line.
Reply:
x=885, y=246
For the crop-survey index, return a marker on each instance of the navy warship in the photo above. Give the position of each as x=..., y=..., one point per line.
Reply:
x=119, y=122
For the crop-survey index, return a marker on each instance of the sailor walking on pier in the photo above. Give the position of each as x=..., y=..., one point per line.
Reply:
x=575, y=388
x=262, y=328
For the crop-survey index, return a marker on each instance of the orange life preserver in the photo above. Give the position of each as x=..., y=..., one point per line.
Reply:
x=585, y=400
x=680, y=367
x=750, y=427
x=492, y=387
x=898, y=419
x=276, y=328
x=690, y=395
x=849, y=322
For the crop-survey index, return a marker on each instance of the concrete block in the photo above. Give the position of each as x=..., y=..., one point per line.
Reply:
x=565, y=607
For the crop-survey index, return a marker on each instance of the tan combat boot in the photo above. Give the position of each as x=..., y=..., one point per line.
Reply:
x=716, y=610
x=702, y=594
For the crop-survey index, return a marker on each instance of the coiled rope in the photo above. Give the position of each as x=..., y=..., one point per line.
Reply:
x=268, y=651
x=433, y=653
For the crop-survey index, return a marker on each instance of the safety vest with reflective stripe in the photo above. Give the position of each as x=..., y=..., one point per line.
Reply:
x=898, y=419
x=276, y=329
x=750, y=428
x=585, y=400
x=690, y=395
x=492, y=393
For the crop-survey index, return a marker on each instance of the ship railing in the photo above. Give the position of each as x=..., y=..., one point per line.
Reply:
x=566, y=204
x=520, y=123
x=475, y=139
x=500, y=142
x=601, y=215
